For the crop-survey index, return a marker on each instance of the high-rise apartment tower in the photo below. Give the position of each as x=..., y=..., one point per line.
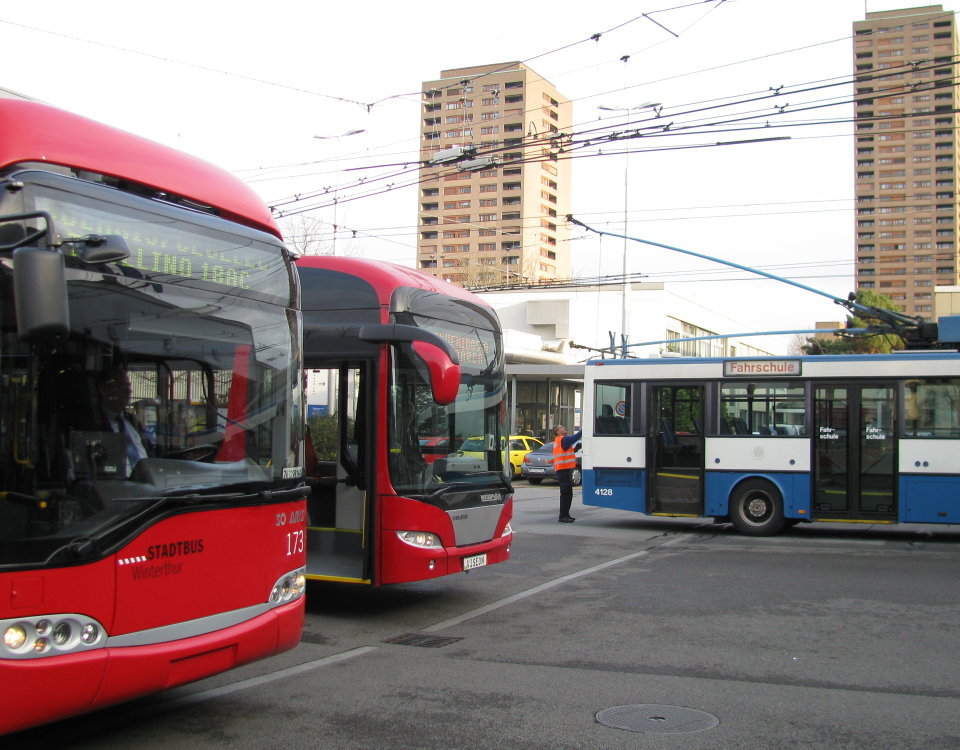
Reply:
x=494, y=183
x=906, y=154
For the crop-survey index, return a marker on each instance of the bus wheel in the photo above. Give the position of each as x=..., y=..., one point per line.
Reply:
x=576, y=478
x=756, y=508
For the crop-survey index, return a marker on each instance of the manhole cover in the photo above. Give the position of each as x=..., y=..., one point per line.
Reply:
x=423, y=641
x=653, y=719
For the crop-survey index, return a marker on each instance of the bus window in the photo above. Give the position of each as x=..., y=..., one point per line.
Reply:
x=932, y=408
x=762, y=409
x=612, y=409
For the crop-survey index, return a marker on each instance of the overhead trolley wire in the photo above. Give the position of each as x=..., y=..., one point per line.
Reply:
x=655, y=128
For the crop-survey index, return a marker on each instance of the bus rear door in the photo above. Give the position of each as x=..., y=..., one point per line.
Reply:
x=854, y=453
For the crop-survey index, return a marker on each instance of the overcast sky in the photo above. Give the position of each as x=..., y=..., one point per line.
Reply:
x=248, y=86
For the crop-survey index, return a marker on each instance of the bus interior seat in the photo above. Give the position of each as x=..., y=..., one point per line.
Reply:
x=611, y=426
x=322, y=501
x=667, y=434
x=608, y=423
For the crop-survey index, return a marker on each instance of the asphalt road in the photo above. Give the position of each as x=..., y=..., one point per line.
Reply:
x=823, y=637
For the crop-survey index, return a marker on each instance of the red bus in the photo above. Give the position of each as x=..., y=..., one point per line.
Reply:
x=410, y=366
x=152, y=515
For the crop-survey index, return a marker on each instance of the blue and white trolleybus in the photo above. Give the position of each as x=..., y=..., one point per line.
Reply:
x=766, y=443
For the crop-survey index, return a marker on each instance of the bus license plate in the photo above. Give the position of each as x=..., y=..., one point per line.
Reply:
x=477, y=561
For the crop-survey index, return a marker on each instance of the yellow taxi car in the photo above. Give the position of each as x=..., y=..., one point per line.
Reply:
x=520, y=446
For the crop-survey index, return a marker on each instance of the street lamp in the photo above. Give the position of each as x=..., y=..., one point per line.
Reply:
x=354, y=131
x=626, y=193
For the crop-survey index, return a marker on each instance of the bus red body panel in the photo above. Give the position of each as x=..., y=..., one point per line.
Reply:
x=149, y=570
x=89, y=589
x=108, y=676
x=155, y=565
x=58, y=137
x=386, y=277
x=140, y=670
x=402, y=563
x=152, y=568
x=61, y=687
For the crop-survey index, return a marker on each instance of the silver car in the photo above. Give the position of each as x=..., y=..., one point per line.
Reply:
x=538, y=465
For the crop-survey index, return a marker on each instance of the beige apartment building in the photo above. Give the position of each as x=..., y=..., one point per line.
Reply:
x=494, y=183
x=906, y=154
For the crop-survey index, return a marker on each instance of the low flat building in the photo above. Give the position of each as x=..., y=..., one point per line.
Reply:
x=549, y=333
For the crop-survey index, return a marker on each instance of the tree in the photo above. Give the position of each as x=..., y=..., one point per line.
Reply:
x=326, y=439
x=308, y=235
x=879, y=343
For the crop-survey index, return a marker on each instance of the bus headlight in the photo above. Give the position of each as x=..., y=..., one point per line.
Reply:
x=289, y=587
x=422, y=539
x=89, y=633
x=62, y=633
x=14, y=637
x=507, y=530
x=50, y=635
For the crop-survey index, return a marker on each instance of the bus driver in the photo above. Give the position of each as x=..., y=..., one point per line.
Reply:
x=115, y=392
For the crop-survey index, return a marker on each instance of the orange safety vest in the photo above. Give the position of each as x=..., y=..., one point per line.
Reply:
x=563, y=459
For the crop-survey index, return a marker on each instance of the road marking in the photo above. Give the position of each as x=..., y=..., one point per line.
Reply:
x=205, y=695
x=544, y=587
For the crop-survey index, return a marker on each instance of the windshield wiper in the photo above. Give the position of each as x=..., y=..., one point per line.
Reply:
x=469, y=485
x=88, y=545
x=275, y=496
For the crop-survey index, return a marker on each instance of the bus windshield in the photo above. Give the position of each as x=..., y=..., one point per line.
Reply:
x=439, y=453
x=159, y=391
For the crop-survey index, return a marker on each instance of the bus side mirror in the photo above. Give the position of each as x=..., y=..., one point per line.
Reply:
x=434, y=351
x=109, y=248
x=40, y=289
x=444, y=372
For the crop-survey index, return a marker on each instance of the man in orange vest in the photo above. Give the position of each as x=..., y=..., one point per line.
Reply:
x=564, y=462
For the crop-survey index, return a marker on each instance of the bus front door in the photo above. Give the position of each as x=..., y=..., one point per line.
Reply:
x=339, y=516
x=854, y=453
x=675, y=450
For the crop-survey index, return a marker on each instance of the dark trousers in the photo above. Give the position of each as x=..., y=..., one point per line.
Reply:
x=566, y=491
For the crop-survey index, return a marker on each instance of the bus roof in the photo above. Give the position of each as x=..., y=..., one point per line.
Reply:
x=35, y=132
x=384, y=276
x=907, y=354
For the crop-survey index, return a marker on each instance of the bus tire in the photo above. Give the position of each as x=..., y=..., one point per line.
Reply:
x=756, y=508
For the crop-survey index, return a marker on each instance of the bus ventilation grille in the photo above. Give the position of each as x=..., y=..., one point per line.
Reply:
x=421, y=640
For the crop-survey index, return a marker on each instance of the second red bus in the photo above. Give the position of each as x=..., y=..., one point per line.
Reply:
x=409, y=367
